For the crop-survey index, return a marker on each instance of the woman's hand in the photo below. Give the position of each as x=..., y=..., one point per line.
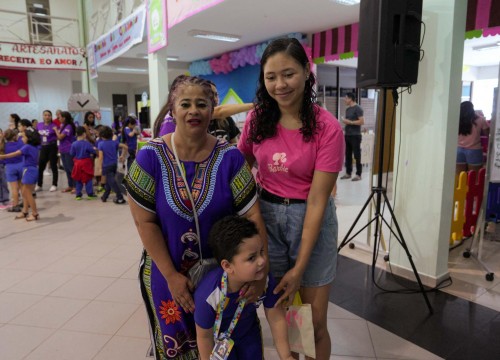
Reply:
x=290, y=283
x=181, y=288
x=253, y=290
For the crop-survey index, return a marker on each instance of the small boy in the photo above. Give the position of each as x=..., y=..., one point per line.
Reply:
x=220, y=319
x=108, y=150
x=83, y=168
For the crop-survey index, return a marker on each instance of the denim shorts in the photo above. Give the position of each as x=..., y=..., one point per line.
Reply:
x=14, y=172
x=284, y=228
x=469, y=156
x=30, y=175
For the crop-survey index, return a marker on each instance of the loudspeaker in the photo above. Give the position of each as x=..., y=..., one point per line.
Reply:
x=389, y=43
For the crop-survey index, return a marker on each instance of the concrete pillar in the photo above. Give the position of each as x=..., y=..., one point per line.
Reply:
x=158, y=82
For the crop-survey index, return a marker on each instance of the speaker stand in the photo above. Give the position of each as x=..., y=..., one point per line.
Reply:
x=380, y=194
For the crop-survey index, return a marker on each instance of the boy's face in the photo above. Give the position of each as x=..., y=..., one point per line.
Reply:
x=248, y=264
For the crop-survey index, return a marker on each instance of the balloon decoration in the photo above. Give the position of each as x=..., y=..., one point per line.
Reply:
x=227, y=62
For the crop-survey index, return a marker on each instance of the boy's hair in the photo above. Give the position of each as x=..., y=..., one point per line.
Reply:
x=106, y=133
x=80, y=130
x=227, y=234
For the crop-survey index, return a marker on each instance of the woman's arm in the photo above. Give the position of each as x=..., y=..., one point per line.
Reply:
x=277, y=321
x=154, y=243
x=59, y=134
x=11, y=155
x=205, y=341
x=223, y=111
x=317, y=200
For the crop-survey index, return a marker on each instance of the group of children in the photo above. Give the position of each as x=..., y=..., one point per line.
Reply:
x=19, y=164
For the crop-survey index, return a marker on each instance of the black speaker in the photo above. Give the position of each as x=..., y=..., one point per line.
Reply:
x=389, y=43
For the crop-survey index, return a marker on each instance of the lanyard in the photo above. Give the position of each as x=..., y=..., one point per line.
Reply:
x=220, y=308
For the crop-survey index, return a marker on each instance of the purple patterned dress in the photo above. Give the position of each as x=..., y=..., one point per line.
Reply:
x=221, y=185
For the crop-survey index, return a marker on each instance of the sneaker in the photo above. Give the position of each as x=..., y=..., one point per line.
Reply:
x=101, y=189
x=104, y=199
x=4, y=207
x=356, y=178
x=91, y=196
x=38, y=188
x=16, y=208
x=53, y=188
x=78, y=197
x=119, y=201
x=346, y=176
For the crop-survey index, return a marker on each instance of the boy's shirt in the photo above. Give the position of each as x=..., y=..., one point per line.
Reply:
x=131, y=140
x=30, y=155
x=82, y=149
x=109, y=150
x=208, y=295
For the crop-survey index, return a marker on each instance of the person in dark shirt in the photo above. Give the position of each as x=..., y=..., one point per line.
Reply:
x=353, y=120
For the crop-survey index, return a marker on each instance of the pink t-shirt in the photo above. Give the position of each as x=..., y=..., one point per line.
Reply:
x=473, y=140
x=286, y=163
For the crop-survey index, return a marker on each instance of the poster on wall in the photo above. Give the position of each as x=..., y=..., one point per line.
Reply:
x=14, y=86
x=121, y=37
x=28, y=56
x=180, y=10
x=157, y=25
x=92, y=64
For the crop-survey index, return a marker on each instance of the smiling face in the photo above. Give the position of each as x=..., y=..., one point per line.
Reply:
x=192, y=110
x=285, y=79
x=47, y=117
x=249, y=263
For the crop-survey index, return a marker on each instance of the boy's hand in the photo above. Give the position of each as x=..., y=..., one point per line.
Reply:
x=181, y=288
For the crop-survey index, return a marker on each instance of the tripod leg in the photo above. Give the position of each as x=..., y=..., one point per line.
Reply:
x=346, y=238
x=408, y=255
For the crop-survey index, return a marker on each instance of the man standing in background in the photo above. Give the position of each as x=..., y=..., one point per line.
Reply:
x=352, y=121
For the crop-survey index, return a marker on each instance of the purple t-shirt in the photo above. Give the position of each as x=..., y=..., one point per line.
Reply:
x=81, y=149
x=13, y=146
x=47, y=133
x=30, y=155
x=206, y=300
x=109, y=150
x=167, y=126
x=65, y=144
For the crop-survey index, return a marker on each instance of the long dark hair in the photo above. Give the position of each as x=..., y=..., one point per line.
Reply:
x=467, y=118
x=86, y=120
x=167, y=106
x=16, y=119
x=32, y=136
x=267, y=114
x=68, y=120
x=128, y=120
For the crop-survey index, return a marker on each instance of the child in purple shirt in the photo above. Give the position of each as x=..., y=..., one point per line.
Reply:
x=66, y=137
x=13, y=167
x=108, y=156
x=29, y=152
x=240, y=251
x=83, y=169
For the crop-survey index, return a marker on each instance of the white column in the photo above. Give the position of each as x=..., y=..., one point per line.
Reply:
x=158, y=82
x=84, y=11
x=429, y=131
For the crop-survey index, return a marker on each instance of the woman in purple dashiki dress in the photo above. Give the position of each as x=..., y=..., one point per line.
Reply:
x=221, y=183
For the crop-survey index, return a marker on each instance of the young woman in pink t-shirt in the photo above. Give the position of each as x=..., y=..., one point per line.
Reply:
x=299, y=150
x=470, y=129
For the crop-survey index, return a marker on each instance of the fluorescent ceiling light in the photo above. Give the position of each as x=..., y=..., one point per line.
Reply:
x=487, y=47
x=39, y=6
x=214, y=36
x=347, y=2
x=131, y=69
x=172, y=58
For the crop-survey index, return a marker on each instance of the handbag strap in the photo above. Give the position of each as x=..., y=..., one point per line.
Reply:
x=193, y=205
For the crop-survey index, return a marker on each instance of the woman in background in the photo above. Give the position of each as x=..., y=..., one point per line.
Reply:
x=48, y=151
x=470, y=129
x=66, y=136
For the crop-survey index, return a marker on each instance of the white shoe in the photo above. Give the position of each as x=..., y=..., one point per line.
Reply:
x=46, y=173
x=53, y=188
x=38, y=188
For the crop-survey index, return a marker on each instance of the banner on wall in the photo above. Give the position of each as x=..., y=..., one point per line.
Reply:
x=121, y=37
x=27, y=56
x=157, y=25
x=14, y=86
x=180, y=10
x=92, y=64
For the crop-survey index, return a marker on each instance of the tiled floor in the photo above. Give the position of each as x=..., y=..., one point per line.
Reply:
x=68, y=287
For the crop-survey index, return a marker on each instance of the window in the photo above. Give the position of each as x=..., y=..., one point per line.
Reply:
x=39, y=21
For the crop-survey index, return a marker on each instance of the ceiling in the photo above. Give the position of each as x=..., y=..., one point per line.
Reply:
x=257, y=21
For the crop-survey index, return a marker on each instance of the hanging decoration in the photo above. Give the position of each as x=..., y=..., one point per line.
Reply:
x=227, y=62
x=335, y=44
x=483, y=18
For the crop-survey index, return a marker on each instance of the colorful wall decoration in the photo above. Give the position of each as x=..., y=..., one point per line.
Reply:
x=334, y=44
x=14, y=86
x=483, y=18
x=227, y=62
